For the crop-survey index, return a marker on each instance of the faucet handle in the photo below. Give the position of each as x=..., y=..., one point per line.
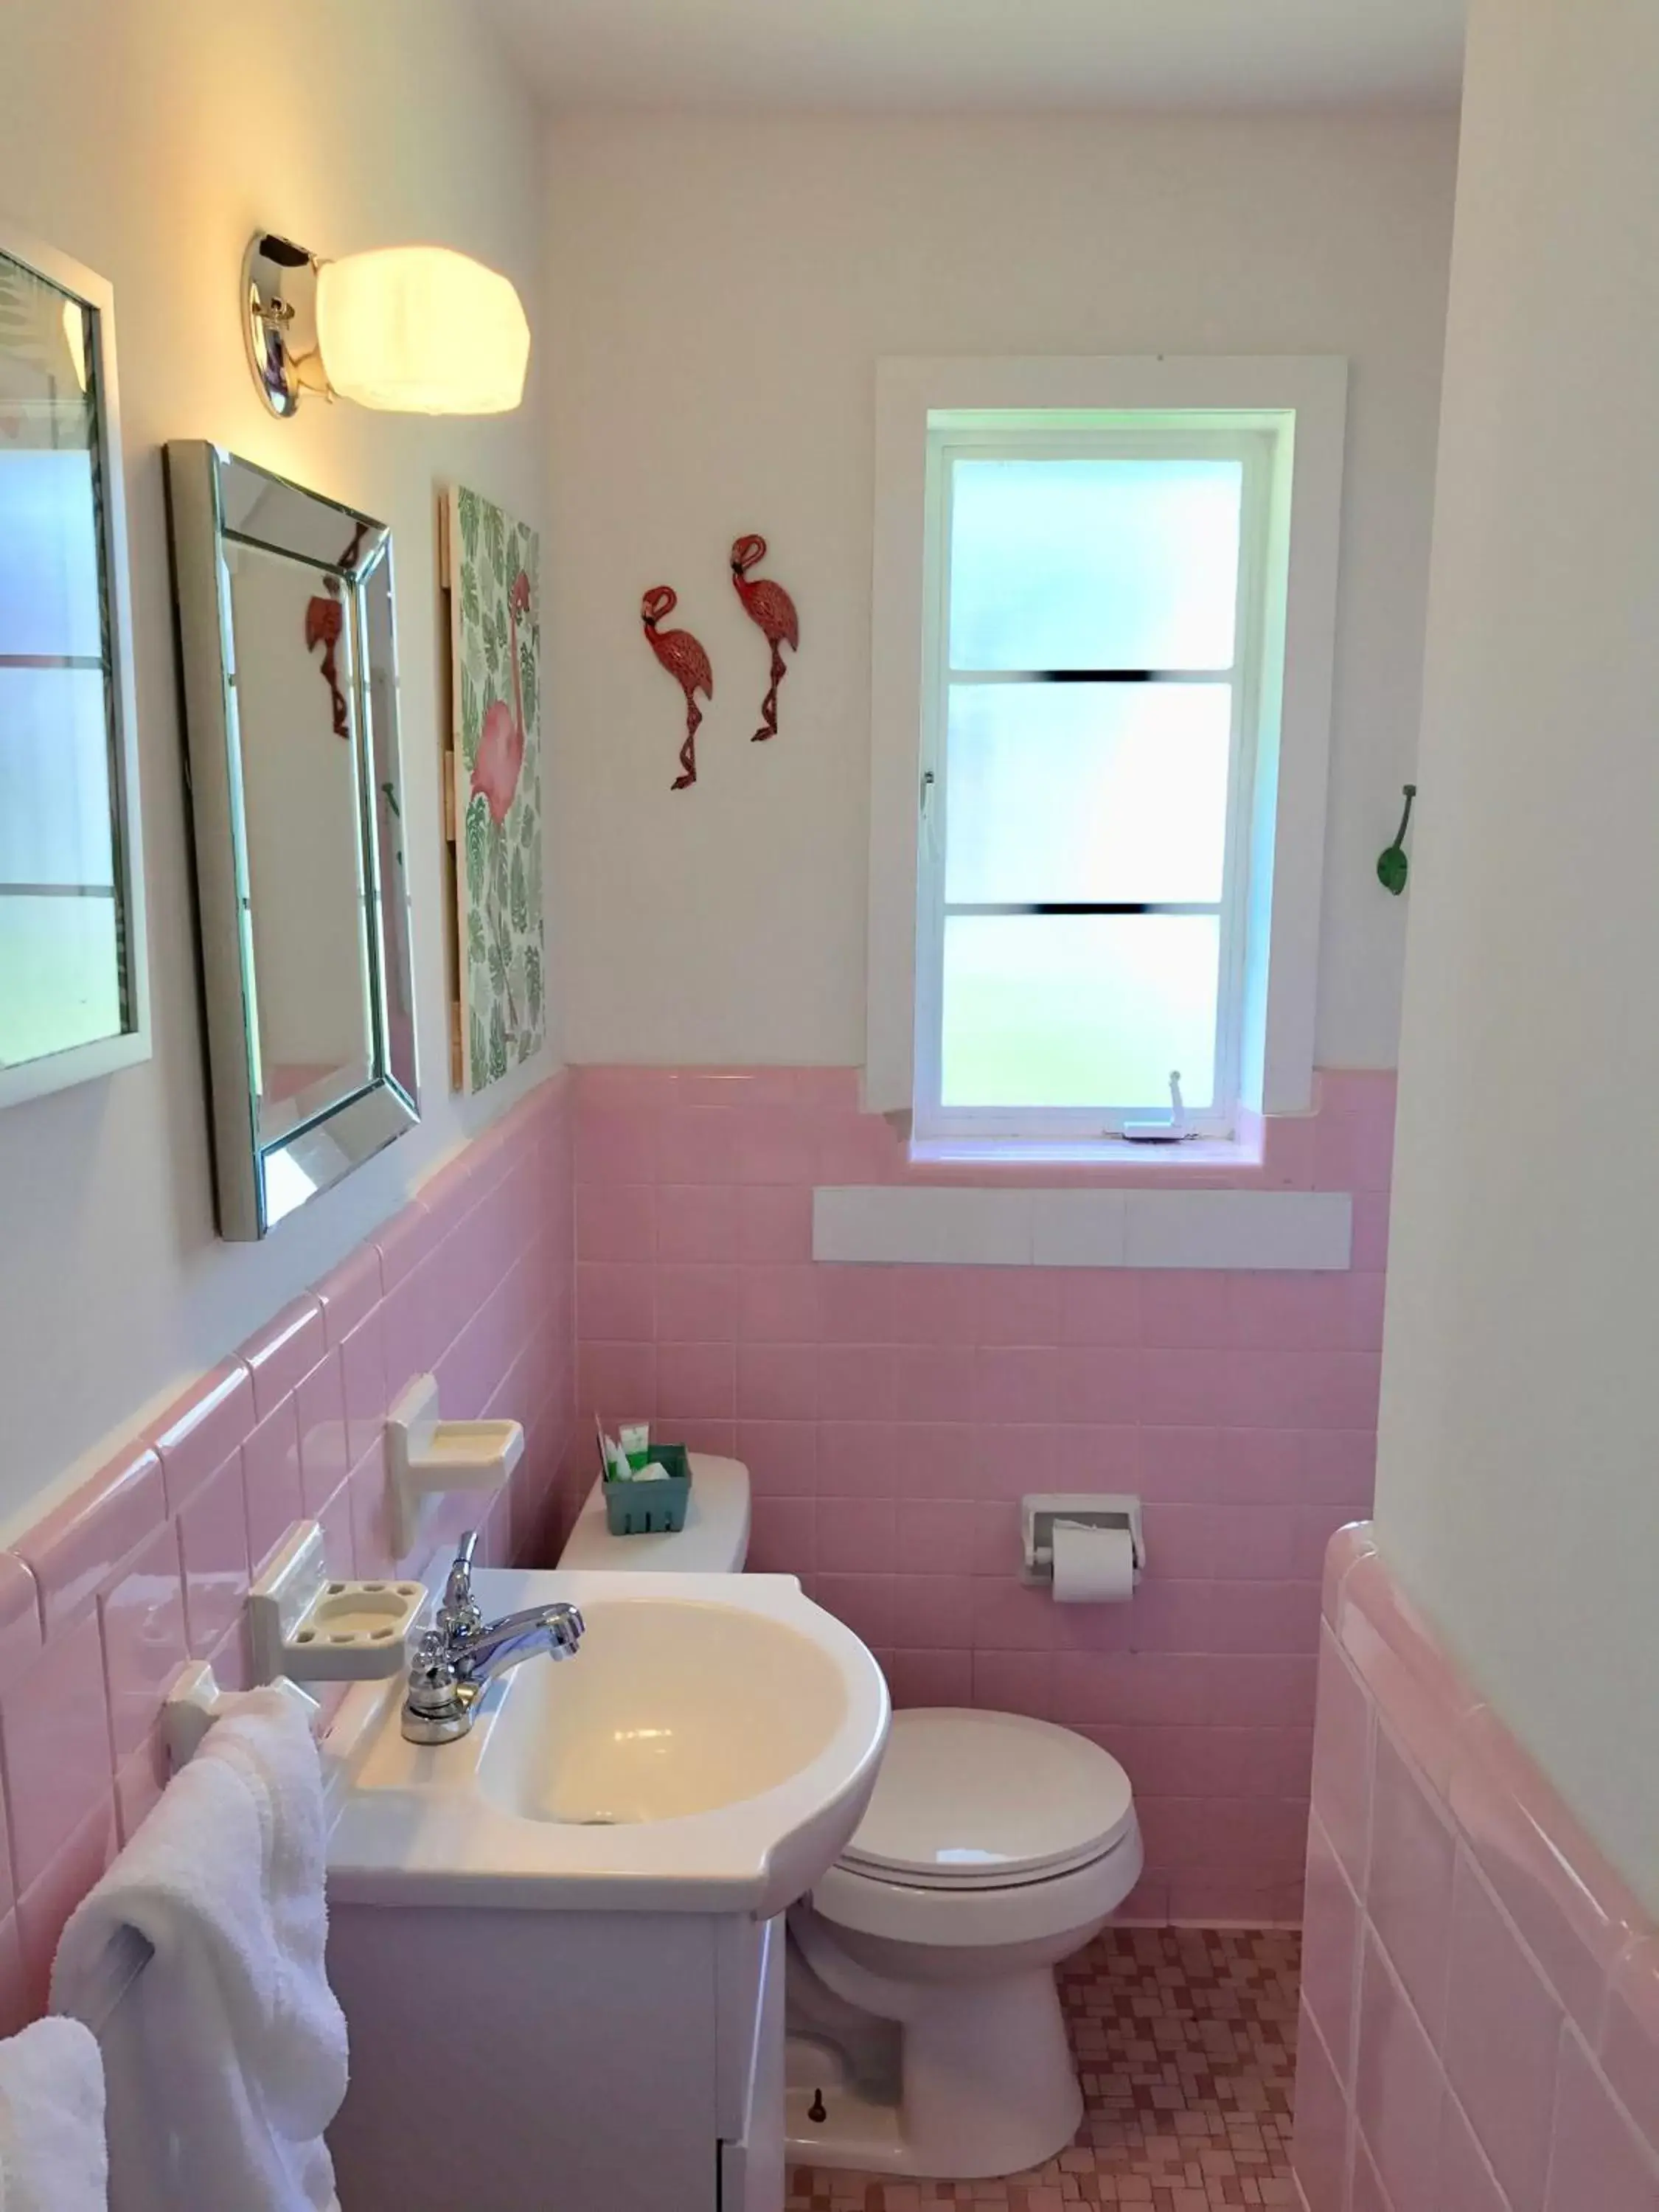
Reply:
x=459, y=1615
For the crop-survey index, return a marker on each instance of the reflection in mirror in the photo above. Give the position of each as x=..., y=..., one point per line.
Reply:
x=71, y=984
x=287, y=627
x=302, y=799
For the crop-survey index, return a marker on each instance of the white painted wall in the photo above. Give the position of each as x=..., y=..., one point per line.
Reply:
x=724, y=286
x=149, y=138
x=1518, y=1494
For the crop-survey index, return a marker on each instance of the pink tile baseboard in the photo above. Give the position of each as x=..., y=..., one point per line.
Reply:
x=100, y=1602
x=1480, y=1989
x=892, y=1414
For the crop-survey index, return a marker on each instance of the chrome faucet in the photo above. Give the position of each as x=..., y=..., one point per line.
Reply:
x=461, y=1654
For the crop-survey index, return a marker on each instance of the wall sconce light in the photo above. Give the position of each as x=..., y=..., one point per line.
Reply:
x=413, y=329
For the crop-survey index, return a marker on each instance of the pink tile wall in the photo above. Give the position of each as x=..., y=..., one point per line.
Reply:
x=892, y=1416
x=151, y=1560
x=1481, y=1990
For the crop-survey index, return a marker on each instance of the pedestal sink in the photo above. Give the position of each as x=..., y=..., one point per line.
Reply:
x=565, y=1924
x=672, y=1709
x=711, y=1748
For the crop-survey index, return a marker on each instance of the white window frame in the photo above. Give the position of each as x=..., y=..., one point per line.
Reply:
x=1290, y=414
x=131, y=1045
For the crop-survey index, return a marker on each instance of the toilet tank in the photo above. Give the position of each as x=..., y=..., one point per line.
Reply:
x=714, y=1542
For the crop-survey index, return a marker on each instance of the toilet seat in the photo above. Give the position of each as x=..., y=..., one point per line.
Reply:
x=989, y=1919
x=973, y=1801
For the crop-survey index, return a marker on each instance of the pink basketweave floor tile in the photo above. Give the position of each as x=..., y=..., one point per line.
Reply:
x=1185, y=2041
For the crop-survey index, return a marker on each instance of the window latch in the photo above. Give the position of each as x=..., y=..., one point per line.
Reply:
x=928, y=780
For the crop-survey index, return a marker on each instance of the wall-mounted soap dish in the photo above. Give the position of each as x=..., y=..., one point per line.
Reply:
x=428, y=1457
x=308, y=1626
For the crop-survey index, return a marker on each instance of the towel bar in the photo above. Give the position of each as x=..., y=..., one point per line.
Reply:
x=126, y=1957
x=194, y=1701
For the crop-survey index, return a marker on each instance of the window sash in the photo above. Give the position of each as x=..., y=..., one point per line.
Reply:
x=1151, y=439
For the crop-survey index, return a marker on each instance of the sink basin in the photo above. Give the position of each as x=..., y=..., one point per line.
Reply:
x=711, y=1748
x=669, y=1709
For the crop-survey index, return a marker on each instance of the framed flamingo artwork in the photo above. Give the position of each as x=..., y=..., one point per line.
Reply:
x=493, y=577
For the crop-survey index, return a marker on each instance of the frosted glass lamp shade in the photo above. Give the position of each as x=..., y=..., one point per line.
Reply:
x=418, y=330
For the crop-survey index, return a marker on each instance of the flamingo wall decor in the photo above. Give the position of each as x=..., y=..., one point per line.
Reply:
x=686, y=662
x=495, y=644
x=771, y=610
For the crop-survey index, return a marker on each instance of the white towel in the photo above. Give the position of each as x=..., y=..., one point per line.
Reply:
x=228, y=2059
x=52, y=2121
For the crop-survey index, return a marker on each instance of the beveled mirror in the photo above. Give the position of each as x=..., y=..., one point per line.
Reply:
x=72, y=969
x=288, y=643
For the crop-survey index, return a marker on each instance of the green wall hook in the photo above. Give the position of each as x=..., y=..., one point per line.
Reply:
x=1392, y=866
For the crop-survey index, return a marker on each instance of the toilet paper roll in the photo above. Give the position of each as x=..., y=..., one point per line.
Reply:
x=1092, y=1566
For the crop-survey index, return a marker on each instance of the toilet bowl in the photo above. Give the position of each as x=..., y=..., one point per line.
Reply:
x=993, y=1847
x=927, y=2035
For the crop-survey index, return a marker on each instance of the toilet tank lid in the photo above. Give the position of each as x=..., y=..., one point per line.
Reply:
x=714, y=1542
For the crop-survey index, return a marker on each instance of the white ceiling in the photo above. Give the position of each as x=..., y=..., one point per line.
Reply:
x=990, y=55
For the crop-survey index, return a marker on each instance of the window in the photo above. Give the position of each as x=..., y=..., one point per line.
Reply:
x=1098, y=681
x=1088, y=738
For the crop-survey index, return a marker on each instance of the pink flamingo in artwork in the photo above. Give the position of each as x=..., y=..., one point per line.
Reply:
x=501, y=741
x=771, y=609
x=686, y=662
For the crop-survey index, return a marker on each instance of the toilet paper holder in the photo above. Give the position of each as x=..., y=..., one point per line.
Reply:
x=1091, y=1510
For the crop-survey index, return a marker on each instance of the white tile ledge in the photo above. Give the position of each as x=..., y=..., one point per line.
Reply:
x=1279, y=1230
x=1114, y=1153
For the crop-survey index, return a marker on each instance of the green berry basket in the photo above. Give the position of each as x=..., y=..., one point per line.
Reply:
x=651, y=1509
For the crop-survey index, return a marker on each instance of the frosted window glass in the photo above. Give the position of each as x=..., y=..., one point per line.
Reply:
x=1056, y=1010
x=54, y=819
x=50, y=599
x=1094, y=563
x=60, y=975
x=1108, y=795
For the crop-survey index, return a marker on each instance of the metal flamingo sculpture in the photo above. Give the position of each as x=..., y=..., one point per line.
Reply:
x=770, y=608
x=687, y=663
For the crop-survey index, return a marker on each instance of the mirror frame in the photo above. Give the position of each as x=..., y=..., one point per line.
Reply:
x=84, y=1063
x=260, y=1183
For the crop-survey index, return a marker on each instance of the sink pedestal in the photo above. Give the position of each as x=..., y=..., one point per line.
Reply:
x=593, y=2062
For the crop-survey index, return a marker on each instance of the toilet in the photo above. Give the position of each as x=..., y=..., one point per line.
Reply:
x=925, y=2035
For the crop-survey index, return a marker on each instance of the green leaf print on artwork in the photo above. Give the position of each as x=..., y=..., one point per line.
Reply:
x=472, y=721
x=527, y=680
x=498, y=671
x=477, y=846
